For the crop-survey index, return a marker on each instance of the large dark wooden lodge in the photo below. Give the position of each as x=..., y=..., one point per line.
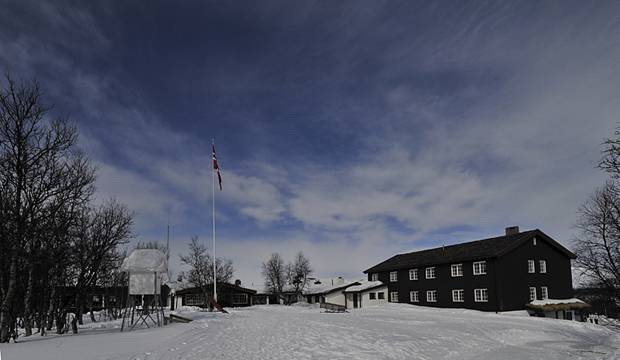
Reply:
x=502, y=273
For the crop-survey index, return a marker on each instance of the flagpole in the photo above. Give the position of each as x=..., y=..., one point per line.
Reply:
x=213, y=212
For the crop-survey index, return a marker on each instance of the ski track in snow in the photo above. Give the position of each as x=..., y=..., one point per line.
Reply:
x=392, y=331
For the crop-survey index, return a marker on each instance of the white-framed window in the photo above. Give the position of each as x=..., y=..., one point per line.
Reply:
x=393, y=276
x=413, y=296
x=532, y=293
x=413, y=274
x=381, y=295
x=394, y=296
x=542, y=265
x=544, y=292
x=371, y=296
x=456, y=270
x=458, y=295
x=430, y=272
x=531, y=267
x=480, y=267
x=239, y=299
x=481, y=295
x=374, y=277
x=431, y=296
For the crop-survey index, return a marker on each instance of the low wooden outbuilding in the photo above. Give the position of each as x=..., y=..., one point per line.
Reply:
x=567, y=309
x=228, y=295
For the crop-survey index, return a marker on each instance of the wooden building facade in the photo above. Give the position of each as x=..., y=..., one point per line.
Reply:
x=502, y=273
x=228, y=295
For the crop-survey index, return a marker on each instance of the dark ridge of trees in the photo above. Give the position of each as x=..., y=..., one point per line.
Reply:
x=52, y=236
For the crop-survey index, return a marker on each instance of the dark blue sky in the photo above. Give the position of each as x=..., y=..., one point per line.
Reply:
x=350, y=130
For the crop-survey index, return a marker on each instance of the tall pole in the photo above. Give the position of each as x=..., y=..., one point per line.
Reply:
x=168, y=241
x=213, y=212
x=168, y=247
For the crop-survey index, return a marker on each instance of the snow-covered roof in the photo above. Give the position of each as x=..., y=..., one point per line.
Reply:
x=324, y=287
x=556, y=302
x=364, y=285
x=145, y=260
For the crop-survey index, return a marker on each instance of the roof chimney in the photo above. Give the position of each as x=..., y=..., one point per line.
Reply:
x=512, y=230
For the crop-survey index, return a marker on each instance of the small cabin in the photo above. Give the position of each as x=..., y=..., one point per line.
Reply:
x=228, y=295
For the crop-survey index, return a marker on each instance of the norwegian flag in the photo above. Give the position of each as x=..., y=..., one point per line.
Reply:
x=216, y=167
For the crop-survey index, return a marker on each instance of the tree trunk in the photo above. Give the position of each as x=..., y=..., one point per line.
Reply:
x=61, y=321
x=90, y=308
x=78, y=313
x=74, y=326
x=28, y=302
x=5, y=309
x=51, y=310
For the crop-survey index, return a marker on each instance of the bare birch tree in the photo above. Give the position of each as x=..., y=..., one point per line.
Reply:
x=298, y=273
x=38, y=171
x=101, y=232
x=598, y=244
x=200, y=263
x=274, y=273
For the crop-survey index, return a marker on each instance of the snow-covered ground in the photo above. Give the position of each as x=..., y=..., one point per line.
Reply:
x=393, y=331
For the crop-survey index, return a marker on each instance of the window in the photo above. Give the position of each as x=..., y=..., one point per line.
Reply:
x=457, y=270
x=374, y=277
x=534, y=240
x=413, y=274
x=372, y=296
x=544, y=292
x=194, y=300
x=480, y=267
x=532, y=293
x=542, y=264
x=530, y=266
x=458, y=295
x=239, y=299
x=431, y=296
x=380, y=295
x=430, y=273
x=394, y=296
x=393, y=276
x=413, y=296
x=481, y=295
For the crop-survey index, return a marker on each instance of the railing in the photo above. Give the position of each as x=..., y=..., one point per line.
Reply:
x=329, y=307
